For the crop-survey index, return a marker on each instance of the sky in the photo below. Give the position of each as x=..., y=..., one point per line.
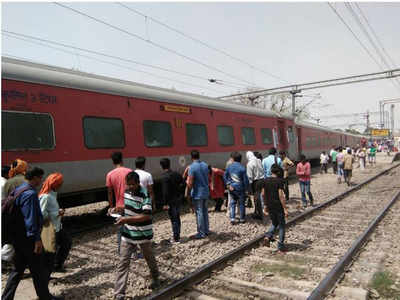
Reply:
x=290, y=42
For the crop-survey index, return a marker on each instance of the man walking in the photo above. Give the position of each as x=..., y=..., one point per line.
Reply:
x=137, y=229
x=146, y=180
x=26, y=241
x=348, y=166
x=236, y=179
x=269, y=161
x=333, y=154
x=255, y=174
x=198, y=183
x=172, y=187
x=303, y=171
x=275, y=206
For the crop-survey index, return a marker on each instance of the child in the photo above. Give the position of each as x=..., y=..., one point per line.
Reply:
x=136, y=230
x=275, y=206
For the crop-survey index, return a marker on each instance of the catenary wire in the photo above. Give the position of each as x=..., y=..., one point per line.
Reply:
x=151, y=42
x=356, y=37
x=106, y=55
x=110, y=63
x=201, y=42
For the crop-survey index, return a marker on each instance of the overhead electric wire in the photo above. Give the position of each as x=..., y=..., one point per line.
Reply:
x=105, y=55
x=356, y=37
x=365, y=31
x=110, y=63
x=151, y=42
x=375, y=35
x=201, y=42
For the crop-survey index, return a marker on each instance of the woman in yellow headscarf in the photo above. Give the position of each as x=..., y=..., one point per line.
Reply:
x=51, y=211
x=16, y=175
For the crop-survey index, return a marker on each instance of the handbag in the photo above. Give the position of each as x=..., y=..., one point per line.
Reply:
x=48, y=236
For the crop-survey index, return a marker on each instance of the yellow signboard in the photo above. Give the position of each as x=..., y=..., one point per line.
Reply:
x=380, y=132
x=176, y=108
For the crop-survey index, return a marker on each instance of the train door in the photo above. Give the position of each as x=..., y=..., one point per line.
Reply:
x=293, y=142
x=281, y=135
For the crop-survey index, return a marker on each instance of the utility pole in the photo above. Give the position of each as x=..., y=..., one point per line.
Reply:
x=367, y=118
x=392, y=119
x=294, y=92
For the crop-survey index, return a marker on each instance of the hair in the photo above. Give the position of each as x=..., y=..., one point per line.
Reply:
x=140, y=162
x=302, y=157
x=237, y=156
x=258, y=155
x=323, y=152
x=275, y=169
x=349, y=151
x=132, y=176
x=195, y=154
x=116, y=157
x=282, y=153
x=34, y=172
x=340, y=149
x=4, y=171
x=14, y=164
x=165, y=163
x=272, y=151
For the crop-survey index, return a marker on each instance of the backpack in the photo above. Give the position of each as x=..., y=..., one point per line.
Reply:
x=280, y=174
x=12, y=220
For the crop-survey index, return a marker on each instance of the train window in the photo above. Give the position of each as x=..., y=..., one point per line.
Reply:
x=157, y=134
x=290, y=134
x=308, y=141
x=266, y=136
x=314, y=141
x=196, y=134
x=103, y=133
x=23, y=131
x=225, y=135
x=248, y=136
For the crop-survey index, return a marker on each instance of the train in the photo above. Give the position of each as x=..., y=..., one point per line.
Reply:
x=70, y=122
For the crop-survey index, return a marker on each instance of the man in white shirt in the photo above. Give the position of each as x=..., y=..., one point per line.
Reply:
x=146, y=180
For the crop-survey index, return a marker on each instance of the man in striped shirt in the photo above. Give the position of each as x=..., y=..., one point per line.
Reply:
x=137, y=229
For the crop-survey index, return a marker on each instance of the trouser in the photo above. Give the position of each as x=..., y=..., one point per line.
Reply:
x=340, y=172
x=278, y=222
x=305, y=188
x=362, y=163
x=175, y=217
x=257, y=186
x=334, y=166
x=347, y=175
x=286, y=188
x=127, y=249
x=218, y=203
x=237, y=199
x=201, y=217
x=324, y=168
x=24, y=257
x=63, y=246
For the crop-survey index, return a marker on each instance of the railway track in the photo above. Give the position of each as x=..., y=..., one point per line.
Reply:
x=316, y=244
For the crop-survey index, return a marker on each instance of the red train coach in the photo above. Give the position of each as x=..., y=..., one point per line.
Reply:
x=68, y=121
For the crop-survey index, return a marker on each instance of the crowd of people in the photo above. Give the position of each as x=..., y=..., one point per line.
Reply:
x=41, y=244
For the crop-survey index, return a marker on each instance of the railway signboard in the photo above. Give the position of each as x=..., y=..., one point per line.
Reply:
x=380, y=132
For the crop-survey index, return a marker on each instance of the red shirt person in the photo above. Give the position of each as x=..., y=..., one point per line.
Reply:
x=303, y=171
x=217, y=186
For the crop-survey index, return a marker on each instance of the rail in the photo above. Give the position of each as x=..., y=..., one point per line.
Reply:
x=204, y=271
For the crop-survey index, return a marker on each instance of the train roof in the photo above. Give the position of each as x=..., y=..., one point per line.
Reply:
x=52, y=75
x=327, y=129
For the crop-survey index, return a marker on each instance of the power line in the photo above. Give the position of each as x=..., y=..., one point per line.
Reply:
x=105, y=55
x=201, y=42
x=108, y=62
x=365, y=31
x=151, y=42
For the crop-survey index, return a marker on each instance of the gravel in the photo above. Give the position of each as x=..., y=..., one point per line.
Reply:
x=93, y=258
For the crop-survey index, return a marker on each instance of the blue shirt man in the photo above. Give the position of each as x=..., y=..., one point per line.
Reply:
x=237, y=181
x=198, y=182
x=269, y=161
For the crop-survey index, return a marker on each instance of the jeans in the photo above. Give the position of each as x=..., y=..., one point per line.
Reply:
x=175, y=217
x=278, y=221
x=218, y=203
x=201, y=217
x=127, y=249
x=24, y=257
x=235, y=198
x=324, y=167
x=63, y=246
x=305, y=188
x=340, y=171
